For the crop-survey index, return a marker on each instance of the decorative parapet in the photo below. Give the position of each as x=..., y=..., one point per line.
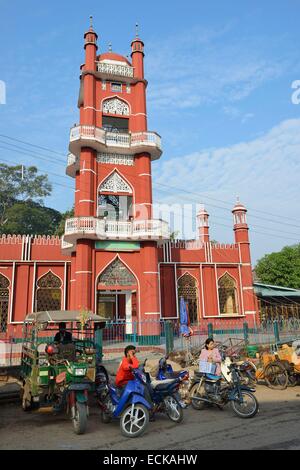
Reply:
x=11, y=239
x=99, y=229
x=224, y=246
x=34, y=239
x=103, y=141
x=46, y=240
x=116, y=70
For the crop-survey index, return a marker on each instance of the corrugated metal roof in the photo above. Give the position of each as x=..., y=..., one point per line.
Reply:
x=267, y=290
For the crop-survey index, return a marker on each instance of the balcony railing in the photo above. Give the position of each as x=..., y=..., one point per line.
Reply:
x=111, y=142
x=100, y=229
x=115, y=69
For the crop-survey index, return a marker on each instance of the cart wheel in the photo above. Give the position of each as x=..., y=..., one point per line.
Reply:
x=276, y=376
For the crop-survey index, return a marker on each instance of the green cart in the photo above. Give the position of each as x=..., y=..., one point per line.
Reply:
x=59, y=374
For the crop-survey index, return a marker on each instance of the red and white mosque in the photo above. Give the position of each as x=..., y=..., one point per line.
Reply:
x=114, y=257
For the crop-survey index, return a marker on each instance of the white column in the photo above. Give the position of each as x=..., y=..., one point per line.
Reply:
x=128, y=314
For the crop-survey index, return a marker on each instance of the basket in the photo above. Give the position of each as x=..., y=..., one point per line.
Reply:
x=207, y=367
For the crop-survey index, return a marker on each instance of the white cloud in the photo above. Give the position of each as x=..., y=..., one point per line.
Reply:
x=205, y=66
x=264, y=173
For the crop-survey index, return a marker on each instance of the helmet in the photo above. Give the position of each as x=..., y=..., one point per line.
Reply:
x=50, y=349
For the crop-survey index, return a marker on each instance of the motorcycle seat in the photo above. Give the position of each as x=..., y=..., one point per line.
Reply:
x=213, y=378
x=163, y=383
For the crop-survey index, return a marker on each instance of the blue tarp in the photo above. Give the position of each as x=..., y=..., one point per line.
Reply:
x=184, y=329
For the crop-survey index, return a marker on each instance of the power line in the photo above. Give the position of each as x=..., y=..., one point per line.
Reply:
x=31, y=145
x=174, y=187
x=27, y=153
x=165, y=185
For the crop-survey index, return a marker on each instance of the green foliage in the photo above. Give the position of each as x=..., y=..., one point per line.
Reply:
x=30, y=218
x=60, y=230
x=19, y=184
x=281, y=268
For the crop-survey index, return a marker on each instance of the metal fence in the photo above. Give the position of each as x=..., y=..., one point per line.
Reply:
x=164, y=336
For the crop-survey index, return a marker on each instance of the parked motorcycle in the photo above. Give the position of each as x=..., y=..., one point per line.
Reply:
x=131, y=406
x=208, y=389
x=247, y=372
x=165, y=371
x=164, y=392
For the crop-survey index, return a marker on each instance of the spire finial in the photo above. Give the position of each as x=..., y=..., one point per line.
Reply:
x=136, y=30
x=110, y=47
x=91, y=22
x=238, y=199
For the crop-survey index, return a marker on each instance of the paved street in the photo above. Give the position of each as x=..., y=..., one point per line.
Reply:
x=277, y=426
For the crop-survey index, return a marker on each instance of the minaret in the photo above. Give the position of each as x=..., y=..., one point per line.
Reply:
x=203, y=225
x=85, y=198
x=111, y=153
x=241, y=236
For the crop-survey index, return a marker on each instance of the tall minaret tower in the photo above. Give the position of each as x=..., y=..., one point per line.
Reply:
x=111, y=153
x=241, y=236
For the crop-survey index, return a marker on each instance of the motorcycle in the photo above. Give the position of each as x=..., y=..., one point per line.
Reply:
x=247, y=372
x=208, y=389
x=164, y=393
x=131, y=406
x=165, y=371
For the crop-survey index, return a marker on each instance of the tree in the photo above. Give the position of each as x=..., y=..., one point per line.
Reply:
x=20, y=183
x=30, y=218
x=60, y=230
x=281, y=268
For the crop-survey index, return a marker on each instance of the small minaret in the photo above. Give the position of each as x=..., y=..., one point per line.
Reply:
x=241, y=235
x=203, y=225
x=139, y=123
x=240, y=226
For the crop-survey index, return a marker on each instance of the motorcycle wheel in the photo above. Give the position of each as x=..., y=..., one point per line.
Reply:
x=106, y=416
x=80, y=419
x=173, y=409
x=246, y=409
x=194, y=393
x=134, y=420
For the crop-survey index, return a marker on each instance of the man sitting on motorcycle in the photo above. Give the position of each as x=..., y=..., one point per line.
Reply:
x=124, y=374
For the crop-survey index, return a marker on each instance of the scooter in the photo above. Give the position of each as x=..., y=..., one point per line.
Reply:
x=165, y=397
x=131, y=407
x=165, y=371
x=209, y=389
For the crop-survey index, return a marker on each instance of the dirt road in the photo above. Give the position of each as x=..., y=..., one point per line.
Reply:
x=277, y=426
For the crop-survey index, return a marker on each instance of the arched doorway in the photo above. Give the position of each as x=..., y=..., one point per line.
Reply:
x=116, y=293
x=4, y=299
x=188, y=289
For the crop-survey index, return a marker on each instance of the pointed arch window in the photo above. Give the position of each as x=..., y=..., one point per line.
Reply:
x=48, y=294
x=227, y=295
x=112, y=204
x=4, y=302
x=117, y=274
x=187, y=288
x=115, y=106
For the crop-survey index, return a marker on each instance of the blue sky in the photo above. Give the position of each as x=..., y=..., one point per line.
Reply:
x=219, y=93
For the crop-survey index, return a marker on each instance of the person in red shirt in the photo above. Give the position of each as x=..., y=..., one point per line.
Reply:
x=129, y=362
